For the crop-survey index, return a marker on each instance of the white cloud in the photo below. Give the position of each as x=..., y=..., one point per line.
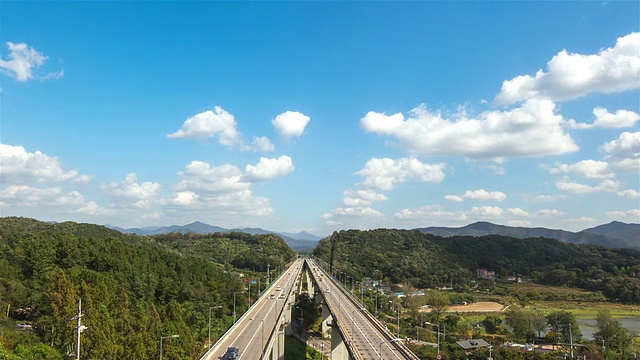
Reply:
x=482, y=194
x=518, y=212
x=542, y=197
x=361, y=198
x=566, y=185
x=267, y=169
x=571, y=75
x=549, y=213
x=261, y=144
x=431, y=214
x=629, y=193
x=22, y=167
x=130, y=188
x=604, y=119
x=385, y=173
x=210, y=123
x=290, y=124
x=486, y=212
x=201, y=176
x=53, y=199
x=184, y=198
x=588, y=168
x=129, y=192
x=23, y=59
x=455, y=198
x=534, y=129
x=624, y=153
x=499, y=170
x=632, y=215
x=352, y=212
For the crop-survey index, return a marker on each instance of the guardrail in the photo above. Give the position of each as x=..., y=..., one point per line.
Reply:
x=215, y=347
x=401, y=347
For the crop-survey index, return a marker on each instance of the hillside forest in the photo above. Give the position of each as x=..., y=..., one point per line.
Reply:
x=134, y=289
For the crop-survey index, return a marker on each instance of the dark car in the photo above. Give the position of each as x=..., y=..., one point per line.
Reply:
x=231, y=354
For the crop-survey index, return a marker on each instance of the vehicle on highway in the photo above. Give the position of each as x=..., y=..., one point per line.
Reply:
x=232, y=353
x=278, y=288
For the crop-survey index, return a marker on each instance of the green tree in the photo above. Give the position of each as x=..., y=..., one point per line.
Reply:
x=564, y=322
x=491, y=323
x=439, y=303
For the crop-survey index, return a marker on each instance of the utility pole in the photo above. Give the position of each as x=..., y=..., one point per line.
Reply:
x=79, y=328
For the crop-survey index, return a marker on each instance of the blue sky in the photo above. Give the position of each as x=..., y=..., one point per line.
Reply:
x=321, y=116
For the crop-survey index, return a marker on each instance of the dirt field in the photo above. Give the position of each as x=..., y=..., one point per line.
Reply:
x=483, y=306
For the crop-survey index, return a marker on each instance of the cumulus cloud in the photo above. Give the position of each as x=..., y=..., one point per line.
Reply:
x=588, y=168
x=455, y=198
x=431, y=213
x=208, y=124
x=624, y=153
x=23, y=60
x=632, y=215
x=567, y=185
x=438, y=214
x=202, y=176
x=22, y=167
x=224, y=192
x=572, y=75
x=361, y=198
x=290, y=124
x=267, y=169
x=629, y=193
x=262, y=144
x=534, y=129
x=604, y=119
x=482, y=194
x=385, y=173
x=352, y=212
x=130, y=192
x=549, y=213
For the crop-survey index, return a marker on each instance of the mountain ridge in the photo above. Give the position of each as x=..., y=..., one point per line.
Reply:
x=613, y=235
x=306, y=241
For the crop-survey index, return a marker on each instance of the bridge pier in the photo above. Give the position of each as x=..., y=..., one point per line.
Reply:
x=326, y=320
x=310, y=285
x=338, y=348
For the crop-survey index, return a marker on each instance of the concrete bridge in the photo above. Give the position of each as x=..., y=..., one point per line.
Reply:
x=354, y=332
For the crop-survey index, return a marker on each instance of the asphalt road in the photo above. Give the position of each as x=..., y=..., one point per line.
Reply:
x=251, y=331
x=369, y=341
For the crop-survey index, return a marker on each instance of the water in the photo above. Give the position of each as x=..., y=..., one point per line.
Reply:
x=588, y=326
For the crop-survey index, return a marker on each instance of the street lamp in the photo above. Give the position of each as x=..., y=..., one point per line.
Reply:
x=382, y=342
x=166, y=337
x=301, y=314
x=438, y=325
x=213, y=307
x=234, y=304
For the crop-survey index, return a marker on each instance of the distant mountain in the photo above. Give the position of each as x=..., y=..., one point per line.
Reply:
x=617, y=230
x=300, y=242
x=302, y=235
x=612, y=235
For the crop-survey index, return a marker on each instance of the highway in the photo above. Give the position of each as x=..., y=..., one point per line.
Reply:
x=369, y=337
x=252, y=331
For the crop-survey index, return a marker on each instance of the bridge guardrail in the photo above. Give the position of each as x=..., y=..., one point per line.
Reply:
x=401, y=347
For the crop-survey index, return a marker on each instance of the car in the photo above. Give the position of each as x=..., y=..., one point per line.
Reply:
x=278, y=288
x=231, y=354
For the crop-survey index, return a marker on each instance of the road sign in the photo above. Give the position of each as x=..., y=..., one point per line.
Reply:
x=439, y=357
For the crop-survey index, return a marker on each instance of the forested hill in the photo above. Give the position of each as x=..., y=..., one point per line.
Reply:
x=423, y=259
x=239, y=249
x=133, y=289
